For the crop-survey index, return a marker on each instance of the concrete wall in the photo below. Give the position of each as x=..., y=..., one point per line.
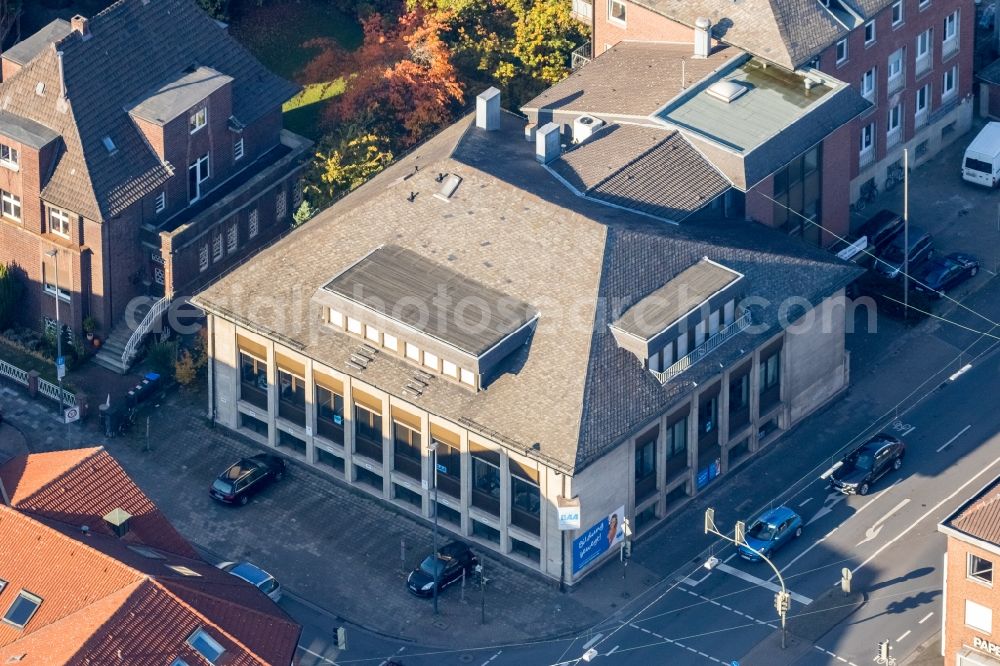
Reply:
x=815, y=358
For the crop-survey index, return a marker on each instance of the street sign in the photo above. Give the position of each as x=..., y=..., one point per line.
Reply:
x=72, y=414
x=60, y=367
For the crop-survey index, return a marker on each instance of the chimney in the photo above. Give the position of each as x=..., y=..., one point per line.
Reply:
x=702, y=37
x=118, y=521
x=81, y=25
x=547, y=142
x=488, y=110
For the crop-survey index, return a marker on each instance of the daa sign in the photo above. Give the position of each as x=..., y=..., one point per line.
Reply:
x=569, y=513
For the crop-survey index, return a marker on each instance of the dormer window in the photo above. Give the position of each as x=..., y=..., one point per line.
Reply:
x=9, y=157
x=59, y=222
x=198, y=120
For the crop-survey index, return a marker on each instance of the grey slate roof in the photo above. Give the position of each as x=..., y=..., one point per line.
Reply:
x=666, y=305
x=179, y=94
x=786, y=32
x=134, y=47
x=990, y=73
x=432, y=298
x=511, y=227
x=630, y=80
x=25, y=50
x=25, y=131
x=650, y=169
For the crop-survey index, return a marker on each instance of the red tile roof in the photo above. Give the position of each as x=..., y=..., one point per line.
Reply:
x=980, y=516
x=103, y=601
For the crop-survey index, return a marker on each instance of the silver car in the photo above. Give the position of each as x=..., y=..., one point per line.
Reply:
x=256, y=576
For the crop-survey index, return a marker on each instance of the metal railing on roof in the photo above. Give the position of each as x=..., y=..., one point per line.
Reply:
x=704, y=349
x=581, y=56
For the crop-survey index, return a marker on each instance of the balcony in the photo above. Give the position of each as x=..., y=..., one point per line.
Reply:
x=866, y=157
x=581, y=56
x=894, y=136
x=894, y=83
x=582, y=10
x=922, y=63
x=704, y=349
x=948, y=47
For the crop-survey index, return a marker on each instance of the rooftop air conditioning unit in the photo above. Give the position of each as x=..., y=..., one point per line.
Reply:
x=584, y=128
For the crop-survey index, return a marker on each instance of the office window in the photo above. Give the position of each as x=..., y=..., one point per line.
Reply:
x=980, y=569
x=390, y=342
x=203, y=257
x=430, y=360
x=233, y=237
x=468, y=377
x=616, y=11
x=449, y=368
x=841, y=51
x=9, y=157
x=869, y=33
x=895, y=68
x=337, y=318
x=897, y=13
x=867, y=138
x=59, y=222
x=238, y=149
x=412, y=352
x=978, y=617
x=950, y=27
x=354, y=326
x=198, y=120
x=10, y=204
x=797, y=196
x=949, y=86
x=254, y=224
x=217, y=247
x=868, y=84
x=677, y=437
x=198, y=173
x=161, y=202
x=280, y=204
x=371, y=333
x=770, y=372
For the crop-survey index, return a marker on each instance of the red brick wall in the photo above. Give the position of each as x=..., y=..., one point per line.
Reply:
x=960, y=588
x=641, y=25
x=836, y=212
x=8, y=69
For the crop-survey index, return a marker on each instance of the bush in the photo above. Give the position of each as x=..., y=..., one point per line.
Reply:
x=163, y=357
x=10, y=295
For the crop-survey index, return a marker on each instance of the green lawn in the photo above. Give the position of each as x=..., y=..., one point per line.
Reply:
x=275, y=33
x=46, y=370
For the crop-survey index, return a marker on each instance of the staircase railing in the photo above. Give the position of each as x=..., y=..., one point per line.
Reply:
x=704, y=349
x=144, y=327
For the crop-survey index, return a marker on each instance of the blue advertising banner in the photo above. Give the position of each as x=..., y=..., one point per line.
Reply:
x=598, y=539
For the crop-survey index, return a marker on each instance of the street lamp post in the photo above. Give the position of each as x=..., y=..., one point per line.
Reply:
x=434, y=508
x=59, y=334
x=782, y=600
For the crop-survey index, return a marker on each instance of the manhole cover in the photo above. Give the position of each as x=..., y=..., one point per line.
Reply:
x=440, y=625
x=466, y=658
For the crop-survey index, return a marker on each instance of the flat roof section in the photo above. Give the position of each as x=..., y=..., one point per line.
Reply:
x=774, y=99
x=26, y=131
x=433, y=299
x=676, y=299
x=179, y=94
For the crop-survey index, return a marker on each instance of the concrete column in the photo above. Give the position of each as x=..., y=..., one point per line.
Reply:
x=466, y=483
x=210, y=371
x=350, y=474
x=272, y=394
x=723, y=419
x=310, y=413
x=505, y=493
x=692, y=435
x=426, y=466
x=754, y=398
x=387, y=448
x=784, y=413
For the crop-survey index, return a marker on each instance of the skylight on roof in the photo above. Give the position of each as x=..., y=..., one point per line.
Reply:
x=727, y=91
x=22, y=609
x=205, y=645
x=3, y=584
x=183, y=570
x=146, y=552
x=109, y=145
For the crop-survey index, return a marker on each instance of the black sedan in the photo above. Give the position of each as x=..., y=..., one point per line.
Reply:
x=247, y=477
x=939, y=274
x=449, y=563
x=855, y=474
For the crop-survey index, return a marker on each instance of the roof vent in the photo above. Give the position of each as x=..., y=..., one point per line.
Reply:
x=727, y=91
x=702, y=37
x=118, y=521
x=40, y=88
x=109, y=145
x=584, y=128
x=450, y=185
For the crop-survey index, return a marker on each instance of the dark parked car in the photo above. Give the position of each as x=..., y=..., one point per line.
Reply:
x=940, y=274
x=246, y=477
x=866, y=464
x=771, y=531
x=890, y=261
x=881, y=228
x=451, y=560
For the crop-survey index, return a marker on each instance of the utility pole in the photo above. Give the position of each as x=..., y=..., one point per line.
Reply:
x=60, y=361
x=782, y=600
x=434, y=507
x=906, y=233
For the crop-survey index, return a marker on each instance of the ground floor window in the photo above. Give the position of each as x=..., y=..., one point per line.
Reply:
x=448, y=514
x=525, y=503
x=330, y=415
x=486, y=480
x=324, y=457
x=288, y=440
x=525, y=550
x=738, y=451
x=404, y=494
x=368, y=431
x=645, y=517
x=253, y=380
x=369, y=478
x=406, y=450
x=484, y=531
x=676, y=497
x=253, y=424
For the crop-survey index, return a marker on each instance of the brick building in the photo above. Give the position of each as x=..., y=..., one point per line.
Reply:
x=145, y=146
x=92, y=573
x=912, y=59
x=971, y=601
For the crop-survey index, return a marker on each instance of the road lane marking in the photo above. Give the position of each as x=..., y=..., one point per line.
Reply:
x=766, y=584
x=832, y=499
x=318, y=656
x=929, y=512
x=612, y=651
x=877, y=497
x=926, y=617
x=805, y=501
x=835, y=656
x=673, y=642
x=905, y=634
x=948, y=443
x=486, y=663
x=731, y=556
x=961, y=371
x=597, y=637
x=872, y=532
x=908, y=431
x=732, y=610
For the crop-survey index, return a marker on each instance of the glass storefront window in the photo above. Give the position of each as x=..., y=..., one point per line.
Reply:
x=330, y=415
x=253, y=380
x=368, y=433
x=645, y=465
x=525, y=504
x=677, y=447
x=486, y=481
x=291, y=397
x=449, y=469
x=406, y=450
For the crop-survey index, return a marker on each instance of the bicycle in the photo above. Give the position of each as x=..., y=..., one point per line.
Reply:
x=869, y=193
x=894, y=175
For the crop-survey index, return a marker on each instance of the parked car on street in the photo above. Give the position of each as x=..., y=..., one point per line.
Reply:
x=891, y=259
x=769, y=532
x=449, y=563
x=939, y=274
x=256, y=576
x=247, y=477
x=866, y=464
x=880, y=229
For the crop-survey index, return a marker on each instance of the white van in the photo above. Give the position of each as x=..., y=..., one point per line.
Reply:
x=981, y=164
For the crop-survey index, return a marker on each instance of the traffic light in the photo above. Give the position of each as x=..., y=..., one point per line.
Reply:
x=882, y=652
x=626, y=550
x=782, y=602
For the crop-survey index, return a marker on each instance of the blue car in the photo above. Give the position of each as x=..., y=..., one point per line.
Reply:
x=771, y=531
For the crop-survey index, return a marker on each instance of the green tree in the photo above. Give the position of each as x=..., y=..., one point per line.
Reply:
x=342, y=164
x=10, y=295
x=303, y=214
x=217, y=9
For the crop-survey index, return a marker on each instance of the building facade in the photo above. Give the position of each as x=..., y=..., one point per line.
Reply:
x=485, y=343
x=142, y=180
x=971, y=601
x=912, y=59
